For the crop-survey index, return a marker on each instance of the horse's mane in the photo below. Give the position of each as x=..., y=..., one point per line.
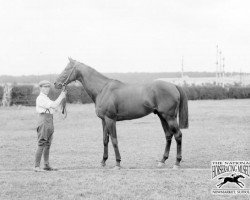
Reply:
x=93, y=71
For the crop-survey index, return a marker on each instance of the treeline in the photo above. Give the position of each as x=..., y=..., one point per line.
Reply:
x=141, y=77
x=26, y=94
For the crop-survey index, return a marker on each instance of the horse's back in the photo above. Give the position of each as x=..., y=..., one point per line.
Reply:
x=151, y=94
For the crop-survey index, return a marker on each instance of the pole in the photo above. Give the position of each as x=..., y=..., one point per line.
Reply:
x=220, y=68
x=216, y=63
x=182, y=67
x=223, y=72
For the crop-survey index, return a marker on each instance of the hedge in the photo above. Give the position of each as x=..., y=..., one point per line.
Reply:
x=206, y=92
x=239, y=92
x=1, y=93
x=23, y=95
x=27, y=94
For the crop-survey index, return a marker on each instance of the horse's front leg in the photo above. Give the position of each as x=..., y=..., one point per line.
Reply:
x=111, y=126
x=241, y=183
x=105, y=143
x=238, y=183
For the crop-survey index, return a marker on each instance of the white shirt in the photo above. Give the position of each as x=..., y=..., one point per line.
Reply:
x=43, y=103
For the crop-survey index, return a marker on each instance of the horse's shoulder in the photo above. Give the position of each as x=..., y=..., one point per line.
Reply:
x=106, y=96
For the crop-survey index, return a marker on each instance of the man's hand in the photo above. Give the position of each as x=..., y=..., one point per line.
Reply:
x=64, y=88
x=64, y=91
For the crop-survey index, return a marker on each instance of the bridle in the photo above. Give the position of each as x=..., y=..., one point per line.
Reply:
x=64, y=111
x=65, y=82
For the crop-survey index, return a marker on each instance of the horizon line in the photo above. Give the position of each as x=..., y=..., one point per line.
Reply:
x=213, y=72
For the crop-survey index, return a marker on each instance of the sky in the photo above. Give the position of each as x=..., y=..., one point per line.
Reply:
x=37, y=37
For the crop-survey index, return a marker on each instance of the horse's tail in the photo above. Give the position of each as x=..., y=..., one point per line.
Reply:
x=183, y=108
x=221, y=178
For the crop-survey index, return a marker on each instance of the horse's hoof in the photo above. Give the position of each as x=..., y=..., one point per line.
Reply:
x=176, y=167
x=160, y=164
x=116, y=167
x=103, y=164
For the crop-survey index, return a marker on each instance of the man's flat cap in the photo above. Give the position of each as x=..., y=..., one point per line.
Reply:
x=44, y=83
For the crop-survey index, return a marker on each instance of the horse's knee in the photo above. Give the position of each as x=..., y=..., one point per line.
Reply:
x=106, y=141
x=178, y=136
x=115, y=145
x=169, y=137
x=114, y=142
x=173, y=126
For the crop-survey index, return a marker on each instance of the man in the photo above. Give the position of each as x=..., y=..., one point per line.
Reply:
x=45, y=128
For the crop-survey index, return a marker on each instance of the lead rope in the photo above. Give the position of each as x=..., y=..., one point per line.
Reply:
x=63, y=106
x=64, y=101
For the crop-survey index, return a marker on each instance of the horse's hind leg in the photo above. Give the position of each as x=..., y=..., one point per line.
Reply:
x=178, y=139
x=175, y=130
x=105, y=143
x=219, y=185
x=224, y=182
x=168, y=136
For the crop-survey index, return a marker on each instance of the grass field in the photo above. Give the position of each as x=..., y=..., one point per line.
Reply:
x=219, y=130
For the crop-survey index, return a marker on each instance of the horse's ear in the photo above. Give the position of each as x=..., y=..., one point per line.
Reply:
x=70, y=59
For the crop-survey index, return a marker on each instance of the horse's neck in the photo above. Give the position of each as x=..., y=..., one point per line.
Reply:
x=92, y=81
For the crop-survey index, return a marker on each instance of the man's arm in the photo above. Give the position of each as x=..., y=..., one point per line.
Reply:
x=47, y=103
x=57, y=102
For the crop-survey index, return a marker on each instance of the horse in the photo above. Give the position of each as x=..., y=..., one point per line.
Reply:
x=117, y=101
x=234, y=179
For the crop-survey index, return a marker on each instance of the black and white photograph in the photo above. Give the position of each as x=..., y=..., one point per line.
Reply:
x=124, y=99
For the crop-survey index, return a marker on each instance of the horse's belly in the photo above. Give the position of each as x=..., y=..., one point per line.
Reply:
x=131, y=116
x=132, y=110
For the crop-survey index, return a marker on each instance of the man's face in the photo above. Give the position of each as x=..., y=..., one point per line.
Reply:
x=45, y=89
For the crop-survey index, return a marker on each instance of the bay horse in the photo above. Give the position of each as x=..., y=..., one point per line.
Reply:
x=117, y=101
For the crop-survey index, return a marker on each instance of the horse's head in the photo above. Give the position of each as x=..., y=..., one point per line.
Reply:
x=68, y=75
x=240, y=176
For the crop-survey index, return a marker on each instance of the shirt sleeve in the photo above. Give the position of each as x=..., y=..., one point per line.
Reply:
x=57, y=102
x=46, y=103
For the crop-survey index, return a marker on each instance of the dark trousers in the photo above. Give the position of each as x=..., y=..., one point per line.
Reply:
x=45, y=130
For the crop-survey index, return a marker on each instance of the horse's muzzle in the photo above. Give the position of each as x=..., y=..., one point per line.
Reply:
x=58, y=85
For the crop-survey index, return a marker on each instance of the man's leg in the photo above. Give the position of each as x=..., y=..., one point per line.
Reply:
x=46, y=155
x=46, y=151
x=40, y=147
x=38, y=155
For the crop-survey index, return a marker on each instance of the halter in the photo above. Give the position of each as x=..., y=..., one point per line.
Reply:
x=65, y=82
